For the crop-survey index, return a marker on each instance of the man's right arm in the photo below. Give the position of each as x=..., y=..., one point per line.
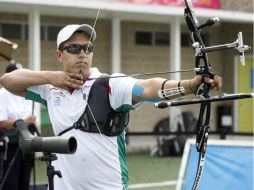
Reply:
x=19, y=80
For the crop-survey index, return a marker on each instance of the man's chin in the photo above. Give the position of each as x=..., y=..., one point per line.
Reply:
x=85, y=72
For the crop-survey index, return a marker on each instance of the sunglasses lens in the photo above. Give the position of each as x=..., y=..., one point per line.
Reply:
x=74, y=48
x=88, y=49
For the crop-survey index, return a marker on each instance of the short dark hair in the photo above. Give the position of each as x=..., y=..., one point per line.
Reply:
x=61, y=46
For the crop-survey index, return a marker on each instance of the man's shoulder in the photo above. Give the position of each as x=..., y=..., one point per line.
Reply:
x=121, y=79
x=95, y=71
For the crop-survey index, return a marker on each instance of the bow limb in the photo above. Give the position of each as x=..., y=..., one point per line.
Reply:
x=205, y=70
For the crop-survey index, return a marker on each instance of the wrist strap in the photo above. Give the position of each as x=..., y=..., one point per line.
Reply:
x=162, y=87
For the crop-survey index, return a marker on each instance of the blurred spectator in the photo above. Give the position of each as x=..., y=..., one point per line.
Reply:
x=15, y=168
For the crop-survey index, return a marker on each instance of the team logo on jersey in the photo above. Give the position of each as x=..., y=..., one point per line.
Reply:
x=57, y=101
x=57, y=95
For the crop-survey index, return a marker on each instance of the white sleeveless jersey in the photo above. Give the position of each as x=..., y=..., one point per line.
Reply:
x=100, y=161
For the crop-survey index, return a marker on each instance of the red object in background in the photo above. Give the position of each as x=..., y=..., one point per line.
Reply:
x=210, y=4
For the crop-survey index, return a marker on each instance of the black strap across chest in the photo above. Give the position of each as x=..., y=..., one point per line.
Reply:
x=99, y=117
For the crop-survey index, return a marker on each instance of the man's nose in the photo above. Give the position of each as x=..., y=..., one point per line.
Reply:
x=83, y=52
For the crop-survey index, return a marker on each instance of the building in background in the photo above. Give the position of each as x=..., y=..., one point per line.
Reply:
x=133, y=37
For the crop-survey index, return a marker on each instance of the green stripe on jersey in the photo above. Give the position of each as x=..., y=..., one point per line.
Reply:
x=35, y=97
x=124, y=108
x=122, y=159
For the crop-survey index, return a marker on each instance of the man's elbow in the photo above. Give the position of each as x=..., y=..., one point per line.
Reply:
x=9, y=84
x=4, y=80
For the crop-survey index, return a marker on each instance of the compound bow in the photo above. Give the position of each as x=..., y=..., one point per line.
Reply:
x=204, y=69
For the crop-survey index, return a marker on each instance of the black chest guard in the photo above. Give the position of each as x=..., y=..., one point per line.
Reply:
x=98, y=110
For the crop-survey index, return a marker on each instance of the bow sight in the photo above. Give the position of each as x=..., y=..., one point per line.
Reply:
x=195, y=27
x=238, y=45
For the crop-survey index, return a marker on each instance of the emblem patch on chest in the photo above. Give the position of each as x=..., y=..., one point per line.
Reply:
x=57, y=96
x=57, y=101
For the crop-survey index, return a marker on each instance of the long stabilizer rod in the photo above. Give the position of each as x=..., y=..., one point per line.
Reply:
x=165, y=104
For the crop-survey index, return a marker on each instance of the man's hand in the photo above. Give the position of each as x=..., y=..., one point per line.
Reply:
x=215, y=83
x=66, y=80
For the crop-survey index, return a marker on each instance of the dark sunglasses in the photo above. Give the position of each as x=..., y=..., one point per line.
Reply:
x=76, y=48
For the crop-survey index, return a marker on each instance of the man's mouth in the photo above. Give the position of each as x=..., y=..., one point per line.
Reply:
x=81, y=62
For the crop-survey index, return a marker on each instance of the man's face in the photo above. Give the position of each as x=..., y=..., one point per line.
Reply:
x=76, y=63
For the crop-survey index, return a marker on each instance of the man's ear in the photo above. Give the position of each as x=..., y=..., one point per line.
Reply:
x=59, y=56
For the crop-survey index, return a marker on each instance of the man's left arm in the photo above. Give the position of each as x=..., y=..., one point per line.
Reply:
x=149, y=88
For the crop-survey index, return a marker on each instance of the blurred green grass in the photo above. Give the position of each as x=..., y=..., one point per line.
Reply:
x=142, y=169
x=145, y=169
